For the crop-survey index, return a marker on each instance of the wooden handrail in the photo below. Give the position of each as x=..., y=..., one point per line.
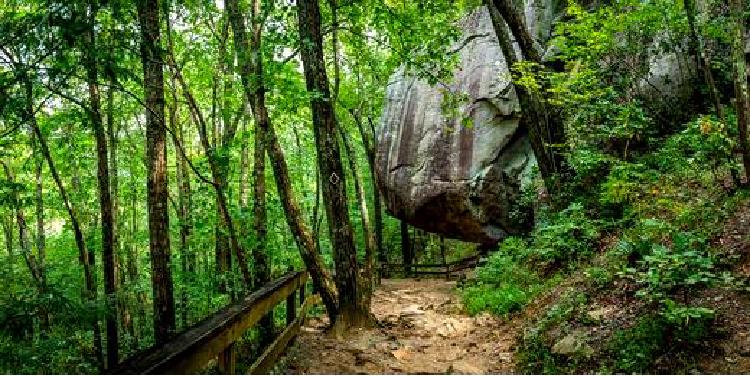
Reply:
x=264, y=363
x=191, y=350
x=447, y=268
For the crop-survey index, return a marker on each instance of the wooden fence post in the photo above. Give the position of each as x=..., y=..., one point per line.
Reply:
x=291, y=310
x=227, y=361
x=301, y=294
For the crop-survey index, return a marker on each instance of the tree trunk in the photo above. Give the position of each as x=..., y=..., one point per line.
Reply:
x=220, y=140
x=545, y=128
x=695, y=45
x=132, y=252
x=83, y=254
x=406, y=251
x=369, y=145
x=8, y=231
x=228, y=126
x=157, y=193
x=40, y=235
x=113, y=130
x=251, y=73
x=352, y=311
x=366, y=276
x=262, y=267
x=23, y=233
x=105, y=198
x=183, y=209
x=740, y=81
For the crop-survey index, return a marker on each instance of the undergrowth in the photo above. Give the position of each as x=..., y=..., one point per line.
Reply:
x=642, y=234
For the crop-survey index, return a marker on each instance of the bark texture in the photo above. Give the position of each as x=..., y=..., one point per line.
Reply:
x=251, y=73
x=105, y=197
x=156, y=151
x=352, y=311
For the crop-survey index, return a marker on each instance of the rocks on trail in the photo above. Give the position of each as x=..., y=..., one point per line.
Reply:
x=420, y=331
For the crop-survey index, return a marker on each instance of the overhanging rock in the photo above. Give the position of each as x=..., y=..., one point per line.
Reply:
x=443, y=175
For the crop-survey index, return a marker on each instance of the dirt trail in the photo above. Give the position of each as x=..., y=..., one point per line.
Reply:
x=421, y=329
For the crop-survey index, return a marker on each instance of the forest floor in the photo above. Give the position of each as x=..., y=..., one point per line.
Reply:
x=421, y=328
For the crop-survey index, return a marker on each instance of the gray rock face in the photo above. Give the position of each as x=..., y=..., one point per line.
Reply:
x=442, y=175
x=464, y=181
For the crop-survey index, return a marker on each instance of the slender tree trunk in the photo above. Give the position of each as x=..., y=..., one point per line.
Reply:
x=545, y=128
x=23, y=233
x=132, y=252
x=112, y=134
x=40, y=234
x=352, y=311
x=368, y=143
x=262, y=267
x=695, y=44
x=406, y=251
x=366, y=276
x=105, y=198
x=228, y=127
x=83, y=254
x=740, y=81
x=8, y=231
x=251, y=73
x=242, y=195
x=183, y=209
x=156, y=147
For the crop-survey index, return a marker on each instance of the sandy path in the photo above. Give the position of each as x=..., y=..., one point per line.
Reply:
x=421, y=329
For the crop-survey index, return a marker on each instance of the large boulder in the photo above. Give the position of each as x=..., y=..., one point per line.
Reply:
x=464, y=179
x=445, y=174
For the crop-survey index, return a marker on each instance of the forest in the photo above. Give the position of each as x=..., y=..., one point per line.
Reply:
x=445, y=186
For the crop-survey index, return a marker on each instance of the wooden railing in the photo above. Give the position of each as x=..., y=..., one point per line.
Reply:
x=213, y=338
x=447, y=269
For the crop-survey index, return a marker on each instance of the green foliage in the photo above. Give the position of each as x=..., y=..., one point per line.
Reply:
x=568, y=235
x=635, y=349
x=599, y=277
x=705, y=141
x=504, y=285
x=667, y=261
x=625, y=183
x=500, y=300
x=534, y=353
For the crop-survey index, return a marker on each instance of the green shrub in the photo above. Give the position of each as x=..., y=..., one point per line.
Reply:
x=569, y=235
x=680, y=262
x=691, y=323
x=704, y=142
x=635, y=349
x=598, y=276
x=504, y=285
x=534, y=353
x=500, y=300
x=624, y=183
